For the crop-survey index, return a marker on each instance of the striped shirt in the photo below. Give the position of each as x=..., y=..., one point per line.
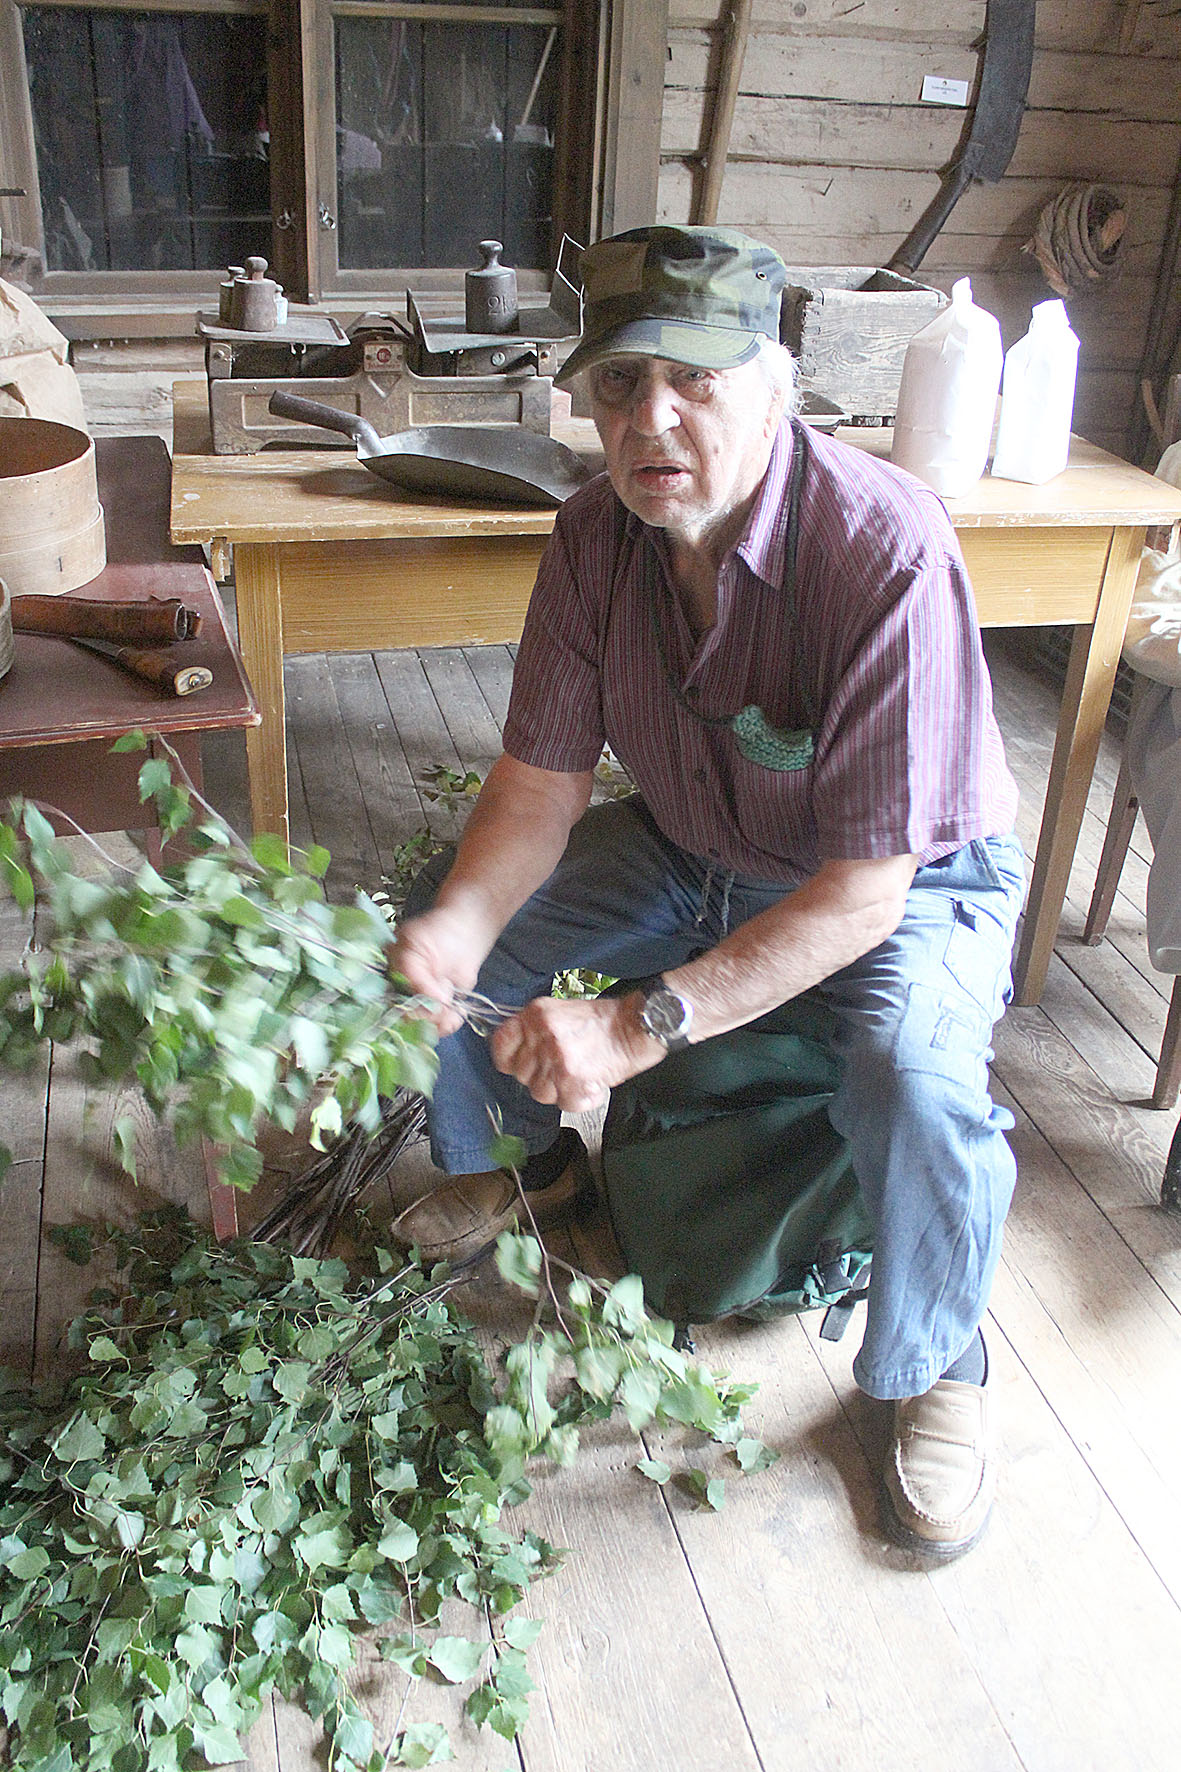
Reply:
x=882, y=663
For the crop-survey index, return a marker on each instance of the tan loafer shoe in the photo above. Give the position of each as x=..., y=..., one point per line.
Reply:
x=460, y=1220
x=940, y=1477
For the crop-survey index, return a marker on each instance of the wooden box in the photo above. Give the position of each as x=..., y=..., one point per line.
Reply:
x=849, y=326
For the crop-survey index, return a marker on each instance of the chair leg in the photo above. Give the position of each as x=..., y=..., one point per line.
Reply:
x=1168, y=1068
x=1124, y=807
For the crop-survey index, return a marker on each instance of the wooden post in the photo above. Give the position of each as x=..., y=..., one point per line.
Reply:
x=637, y=51
x=736, y=30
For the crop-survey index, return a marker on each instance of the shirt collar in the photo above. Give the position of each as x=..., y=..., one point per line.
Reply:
x=763, y=542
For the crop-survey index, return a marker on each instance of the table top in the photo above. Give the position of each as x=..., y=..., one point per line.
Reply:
x=58, y=693
x=327, y=495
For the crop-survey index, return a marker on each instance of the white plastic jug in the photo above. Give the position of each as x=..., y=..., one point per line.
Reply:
x=1037, y=398
x=947, y=398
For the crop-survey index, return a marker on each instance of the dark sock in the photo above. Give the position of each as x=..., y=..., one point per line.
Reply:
x=544, y=1168
x=972, y=1365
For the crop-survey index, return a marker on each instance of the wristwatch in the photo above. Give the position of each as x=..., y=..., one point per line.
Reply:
x=666, y=1016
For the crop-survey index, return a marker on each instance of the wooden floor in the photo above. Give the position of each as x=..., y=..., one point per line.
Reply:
x=783, y=1633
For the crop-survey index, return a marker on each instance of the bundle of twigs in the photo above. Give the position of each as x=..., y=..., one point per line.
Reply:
x=312, y=1210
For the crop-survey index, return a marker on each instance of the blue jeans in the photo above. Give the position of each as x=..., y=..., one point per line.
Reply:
x=913, y=1023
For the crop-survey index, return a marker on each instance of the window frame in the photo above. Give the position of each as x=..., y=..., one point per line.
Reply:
x=612, y=72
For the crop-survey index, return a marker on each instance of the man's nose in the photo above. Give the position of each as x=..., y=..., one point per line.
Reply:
x=654, y=409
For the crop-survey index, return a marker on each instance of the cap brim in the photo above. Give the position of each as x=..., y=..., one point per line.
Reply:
x=681, y=341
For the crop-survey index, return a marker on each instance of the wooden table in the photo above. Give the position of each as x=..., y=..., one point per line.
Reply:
x=61, y=707
x=328, y=558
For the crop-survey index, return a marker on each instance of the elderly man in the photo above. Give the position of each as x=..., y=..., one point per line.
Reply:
x=775, y=634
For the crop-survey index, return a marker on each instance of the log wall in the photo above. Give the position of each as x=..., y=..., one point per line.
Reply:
x=833, y=157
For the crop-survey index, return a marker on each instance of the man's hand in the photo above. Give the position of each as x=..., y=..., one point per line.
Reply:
x=438, y=954
x=572, y=1053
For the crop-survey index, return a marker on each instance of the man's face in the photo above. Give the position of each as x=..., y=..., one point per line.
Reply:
x=686, y=448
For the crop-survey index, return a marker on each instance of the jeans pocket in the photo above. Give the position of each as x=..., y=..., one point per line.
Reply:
x=943, y=1033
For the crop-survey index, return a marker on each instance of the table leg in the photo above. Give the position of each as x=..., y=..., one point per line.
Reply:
x=1090, y=674
x=258, y=577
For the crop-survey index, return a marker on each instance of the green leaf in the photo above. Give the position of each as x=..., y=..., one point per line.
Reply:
x=334, y=1644
x=154, y=777
x=317, y=861
x=623, y=1307
x=398, y=1543
x=640, y=1394
x=405, y=1652
x=74, y=1241
x=456, y=1658
x=654, y=1469
x=291, y=1380
x=422, y=1744
x=29, y=1563
x=352, y=1736
x=522, y=1633
x=519, y=1261
x=103, y=1348
x=219, y=1744
x=130, y=741
x=327, y=1549
x=79, y=1439
x=753, y=1456
x=270, y=851
x=124, y=1137
x=203, y=1605
x=507, y=1151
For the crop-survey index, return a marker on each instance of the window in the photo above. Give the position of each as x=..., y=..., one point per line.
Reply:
x=150, y=137
x=351, y=142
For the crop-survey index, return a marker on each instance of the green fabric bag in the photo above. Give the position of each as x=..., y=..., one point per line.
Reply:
x=728, y=1189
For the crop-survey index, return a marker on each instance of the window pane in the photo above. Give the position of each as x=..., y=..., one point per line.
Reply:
x=444, y=138
x=151, y=138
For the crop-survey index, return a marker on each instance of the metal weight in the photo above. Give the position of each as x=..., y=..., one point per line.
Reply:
x=490, y=293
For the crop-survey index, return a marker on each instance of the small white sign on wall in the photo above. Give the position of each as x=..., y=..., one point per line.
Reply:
x=939, y=90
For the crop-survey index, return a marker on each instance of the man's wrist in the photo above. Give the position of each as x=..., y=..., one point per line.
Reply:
x=665, y=1015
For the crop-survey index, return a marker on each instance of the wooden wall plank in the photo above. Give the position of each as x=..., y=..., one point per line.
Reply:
x=810, y=203
x=921, y=138
x=1061, y=24
x=794, y=64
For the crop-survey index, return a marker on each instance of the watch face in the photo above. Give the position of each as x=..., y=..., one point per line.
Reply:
x=665, y=1015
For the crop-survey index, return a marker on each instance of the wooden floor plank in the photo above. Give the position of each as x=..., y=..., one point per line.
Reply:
x=492, y=667
x=422, y=730
x=473, y=730
x=388, y=792
x=22, y=1130
x=1058, y=1609
x=1106, y=1359
x=829, y=1642
x=336, y=802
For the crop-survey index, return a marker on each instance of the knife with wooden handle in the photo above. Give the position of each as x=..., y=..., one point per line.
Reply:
x=158, y=668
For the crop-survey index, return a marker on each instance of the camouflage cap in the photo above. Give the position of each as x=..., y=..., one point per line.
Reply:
x=700, y=296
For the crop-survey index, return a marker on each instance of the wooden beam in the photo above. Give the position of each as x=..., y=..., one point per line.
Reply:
x=637, y=48
x=736, y=30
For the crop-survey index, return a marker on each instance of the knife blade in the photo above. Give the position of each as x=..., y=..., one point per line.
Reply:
x=159, y=668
